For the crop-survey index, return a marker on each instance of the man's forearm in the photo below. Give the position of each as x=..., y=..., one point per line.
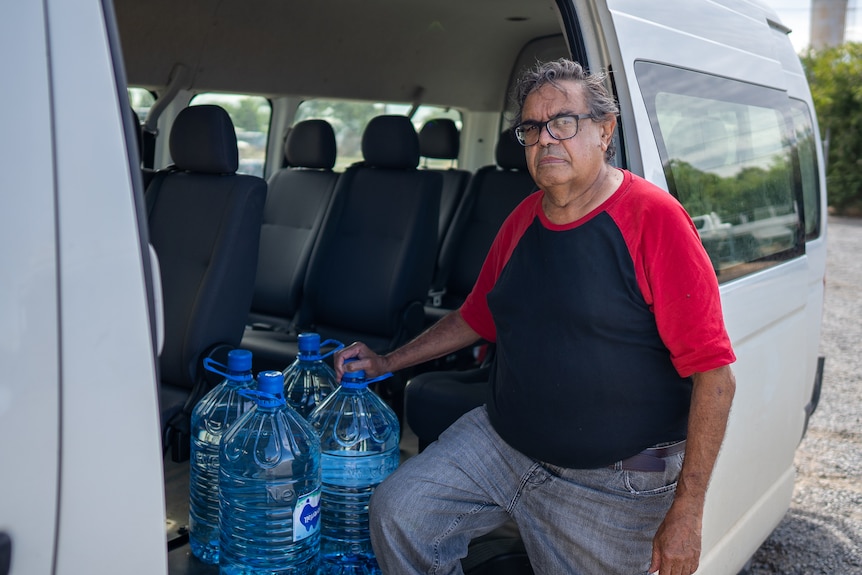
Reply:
x=677, y=544
x=449, y=334
x=712, y=395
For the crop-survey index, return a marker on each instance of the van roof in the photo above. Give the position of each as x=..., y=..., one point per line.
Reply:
x=448, y=52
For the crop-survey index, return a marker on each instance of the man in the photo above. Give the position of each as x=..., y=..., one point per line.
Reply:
x=611, y=385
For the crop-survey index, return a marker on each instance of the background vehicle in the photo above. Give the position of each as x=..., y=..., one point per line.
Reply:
x=714, y=108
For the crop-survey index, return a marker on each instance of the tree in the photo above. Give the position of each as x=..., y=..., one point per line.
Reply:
x=835, y=78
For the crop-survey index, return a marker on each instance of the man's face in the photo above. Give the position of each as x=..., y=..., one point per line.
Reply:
x=574, y=162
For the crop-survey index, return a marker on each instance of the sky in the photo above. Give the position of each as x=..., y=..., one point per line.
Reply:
x=796, y=15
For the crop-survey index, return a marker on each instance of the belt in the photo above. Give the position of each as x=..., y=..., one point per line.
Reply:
x=650, y=459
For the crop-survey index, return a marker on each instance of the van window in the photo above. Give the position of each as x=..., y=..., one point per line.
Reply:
x=727, y=153
x=141, y=100
x=349, y=118
x=808, y=167
x=251, y=119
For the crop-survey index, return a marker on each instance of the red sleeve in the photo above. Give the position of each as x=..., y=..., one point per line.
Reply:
x=475, y=310
x=676, y=278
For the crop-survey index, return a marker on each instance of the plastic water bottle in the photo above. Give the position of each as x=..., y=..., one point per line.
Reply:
x=269, y=488
x=359, y=442
x=308, y=380
x=211, y=418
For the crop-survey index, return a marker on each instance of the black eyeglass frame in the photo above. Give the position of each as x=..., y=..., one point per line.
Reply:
x=546, y=125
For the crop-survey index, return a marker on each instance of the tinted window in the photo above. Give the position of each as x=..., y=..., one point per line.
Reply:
x=808, y=167
x=349, y=118
x=141, y=100
x=728, y=154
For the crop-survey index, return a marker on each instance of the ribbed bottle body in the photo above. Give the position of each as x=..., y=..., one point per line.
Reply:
x=359, y=437
x=349, y=479
x=212, y=417
x=269, y=495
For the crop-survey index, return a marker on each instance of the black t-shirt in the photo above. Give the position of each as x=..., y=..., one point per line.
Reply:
x=599, y=325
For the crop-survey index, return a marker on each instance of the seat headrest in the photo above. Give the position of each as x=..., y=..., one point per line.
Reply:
x=203, y=140
x=390, y=142
x=311, y=144
x=510, y=154
x=439, y=139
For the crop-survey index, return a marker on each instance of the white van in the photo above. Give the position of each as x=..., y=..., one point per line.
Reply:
x=714, y=108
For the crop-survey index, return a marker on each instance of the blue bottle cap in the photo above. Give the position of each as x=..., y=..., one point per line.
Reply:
x=271, y=382
x=353, y=379
x=309, y=342
x=239, y=360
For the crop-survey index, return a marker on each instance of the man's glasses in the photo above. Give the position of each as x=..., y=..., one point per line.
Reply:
x=560, y=128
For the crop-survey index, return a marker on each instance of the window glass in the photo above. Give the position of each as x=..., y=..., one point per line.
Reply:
x=349, y=118
x=728, y=156
x=808, y=167
x=251, y=119
x=141, y=100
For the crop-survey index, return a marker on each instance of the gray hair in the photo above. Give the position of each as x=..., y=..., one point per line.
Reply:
x=600, y=103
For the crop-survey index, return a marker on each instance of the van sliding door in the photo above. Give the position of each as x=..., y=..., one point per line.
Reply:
x=707, y=116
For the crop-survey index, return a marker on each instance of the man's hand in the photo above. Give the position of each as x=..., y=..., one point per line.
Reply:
x=449, y=334
x=367, y=360
x=676, y=546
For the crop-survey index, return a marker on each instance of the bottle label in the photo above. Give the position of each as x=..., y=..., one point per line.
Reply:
x=306, y=516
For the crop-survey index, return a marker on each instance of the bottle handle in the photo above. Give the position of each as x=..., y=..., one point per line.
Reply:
x=364, y=383
x=216, y=367
x=379, y=378
x=222, y=370
x=262, y=397
x=338, y=346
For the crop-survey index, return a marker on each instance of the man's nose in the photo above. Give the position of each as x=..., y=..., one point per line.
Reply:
x=545, y=137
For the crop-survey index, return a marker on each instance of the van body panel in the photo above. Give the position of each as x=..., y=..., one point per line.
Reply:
x=29, y=330
x=769, y=403
x=815, y=247
x=731, y=552
x=768, y=313
x=111, y=495
x=686, y=34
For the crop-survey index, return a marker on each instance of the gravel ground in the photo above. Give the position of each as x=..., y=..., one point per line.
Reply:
x=822, y=531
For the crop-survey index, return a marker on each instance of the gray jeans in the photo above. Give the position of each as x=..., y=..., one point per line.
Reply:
x=469, y=482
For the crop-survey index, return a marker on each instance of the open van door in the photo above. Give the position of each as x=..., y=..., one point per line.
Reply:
x=82, y=488
x=706, y=114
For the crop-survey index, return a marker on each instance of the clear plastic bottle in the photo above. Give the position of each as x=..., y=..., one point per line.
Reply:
x=359, y=437
x=210, y=420
x=308, y=380
x=269, y=488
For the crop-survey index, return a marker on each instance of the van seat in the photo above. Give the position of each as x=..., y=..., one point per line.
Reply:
x=204, y=224
x=371, y=267
x=440, y=139
x=296, y=203
x=492, y=194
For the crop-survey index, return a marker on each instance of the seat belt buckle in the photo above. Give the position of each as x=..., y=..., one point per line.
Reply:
x=436, y=296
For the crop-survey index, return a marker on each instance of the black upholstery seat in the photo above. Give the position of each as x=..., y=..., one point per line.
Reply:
x=204, y=223
x=434, y=400
x=440, y=139
x=296, y=204
x=492, y=194
x=371, y=267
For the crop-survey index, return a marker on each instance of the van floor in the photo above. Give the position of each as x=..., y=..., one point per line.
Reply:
x=499, y=553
